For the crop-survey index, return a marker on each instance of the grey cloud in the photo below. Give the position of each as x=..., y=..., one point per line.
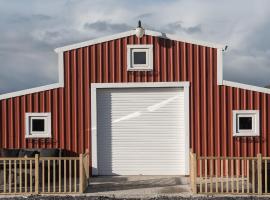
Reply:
x=107, y=26
x=178, y=27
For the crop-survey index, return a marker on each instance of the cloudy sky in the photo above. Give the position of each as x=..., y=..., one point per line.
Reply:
x=31, y=29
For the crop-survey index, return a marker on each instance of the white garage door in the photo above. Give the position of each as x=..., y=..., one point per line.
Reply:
x=141, y=131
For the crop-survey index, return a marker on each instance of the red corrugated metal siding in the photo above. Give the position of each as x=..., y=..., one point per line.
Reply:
x=210, y=105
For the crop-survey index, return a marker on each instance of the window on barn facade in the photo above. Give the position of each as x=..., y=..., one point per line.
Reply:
x=38, y=125
x=139, y=57
x=246, y=123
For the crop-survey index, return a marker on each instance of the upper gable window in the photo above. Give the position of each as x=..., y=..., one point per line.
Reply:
x=140, y=57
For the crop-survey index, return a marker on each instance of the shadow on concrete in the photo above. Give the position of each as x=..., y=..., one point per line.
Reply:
x=117, y=183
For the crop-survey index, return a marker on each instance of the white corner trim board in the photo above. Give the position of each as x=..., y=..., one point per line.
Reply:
x=132, y=32
x=246, y=87
x=97, y=86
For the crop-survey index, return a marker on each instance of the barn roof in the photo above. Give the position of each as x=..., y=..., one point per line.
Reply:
x=132, y=32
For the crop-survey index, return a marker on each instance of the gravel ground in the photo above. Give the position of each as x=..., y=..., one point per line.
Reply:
x=81, y=197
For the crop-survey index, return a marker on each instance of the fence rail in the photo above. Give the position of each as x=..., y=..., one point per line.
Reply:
x=44, y=175
x=231, y=175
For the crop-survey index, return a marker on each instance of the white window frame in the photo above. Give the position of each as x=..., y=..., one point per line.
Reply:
x=38, y=134
x=254, y=114
x=148, y=49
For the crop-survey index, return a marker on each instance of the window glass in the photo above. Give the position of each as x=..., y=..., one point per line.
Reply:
x=38, y=125
x=139, y=58
x=245, y=123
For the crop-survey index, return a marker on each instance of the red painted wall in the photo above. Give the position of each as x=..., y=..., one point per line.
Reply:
x=210, y=105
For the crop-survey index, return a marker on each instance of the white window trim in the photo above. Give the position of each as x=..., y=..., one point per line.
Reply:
x=255, y=122
x=148, y=48
x=37, y=134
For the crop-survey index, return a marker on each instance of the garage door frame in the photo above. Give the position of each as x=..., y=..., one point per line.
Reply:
x=97, y=86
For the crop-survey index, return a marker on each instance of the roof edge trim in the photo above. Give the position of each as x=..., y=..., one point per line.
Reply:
x=31, y=90
x=246, y=87
x=132, y=32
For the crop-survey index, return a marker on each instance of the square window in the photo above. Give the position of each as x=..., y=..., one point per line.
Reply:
x=38, y=125
x=139, y=57
x=246, y=123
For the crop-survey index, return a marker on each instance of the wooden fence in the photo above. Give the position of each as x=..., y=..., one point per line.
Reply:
x=231, y=175
x=44, y=175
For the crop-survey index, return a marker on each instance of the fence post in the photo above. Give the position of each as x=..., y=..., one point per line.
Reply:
x=259, y=170
x=36, y=173
x=81, y=174
x=194, y=173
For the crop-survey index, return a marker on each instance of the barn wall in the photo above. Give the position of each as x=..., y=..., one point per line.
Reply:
x=210, y=105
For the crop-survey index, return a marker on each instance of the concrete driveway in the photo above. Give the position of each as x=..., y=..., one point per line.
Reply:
x=138, y=186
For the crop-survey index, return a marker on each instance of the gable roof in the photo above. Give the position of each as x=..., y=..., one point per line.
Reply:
x=132, y=32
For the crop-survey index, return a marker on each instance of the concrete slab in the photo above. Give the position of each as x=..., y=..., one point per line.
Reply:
x=138, y=186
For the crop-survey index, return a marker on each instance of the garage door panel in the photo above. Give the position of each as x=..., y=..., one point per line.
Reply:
x=140, y=131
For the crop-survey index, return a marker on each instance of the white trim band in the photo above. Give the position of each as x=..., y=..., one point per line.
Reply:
x=132, y=32
x=246, y=87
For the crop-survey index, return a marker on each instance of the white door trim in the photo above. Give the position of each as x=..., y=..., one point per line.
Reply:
x=96, y=86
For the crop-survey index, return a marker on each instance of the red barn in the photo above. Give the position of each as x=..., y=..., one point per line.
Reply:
x=139, y=104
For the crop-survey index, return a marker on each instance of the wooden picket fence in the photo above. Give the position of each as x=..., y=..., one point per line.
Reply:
x=229, y=175
x=44, y=175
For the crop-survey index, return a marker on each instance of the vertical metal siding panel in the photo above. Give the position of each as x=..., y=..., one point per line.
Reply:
x=236, y=139
x=124, y=59
x=230, y=141
x=176, y=63
x=257, y=107
x=223, y=118
x=268, y=126
x=163, y=67
x=263, y=124
x=216, y=106
x=17, y=122
x=183, y=61
x=191, y=90
x=197, y=99
x=4, y=123
x=74, y=131
x=10, y=123
x=150, y=78
x=106, y=58
x=87, y=111
x=48, y=108
x=210, y=99
x=67, y=102
x=80, y=110
x=156, y=62
x=170, y=61
x=143, y=73
x=111, y=62
x=243, y=106
x=62, y=118
x=131, y=74
x=203, y=99
x=99, y=63
x=118, y=61
x=55, y=121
